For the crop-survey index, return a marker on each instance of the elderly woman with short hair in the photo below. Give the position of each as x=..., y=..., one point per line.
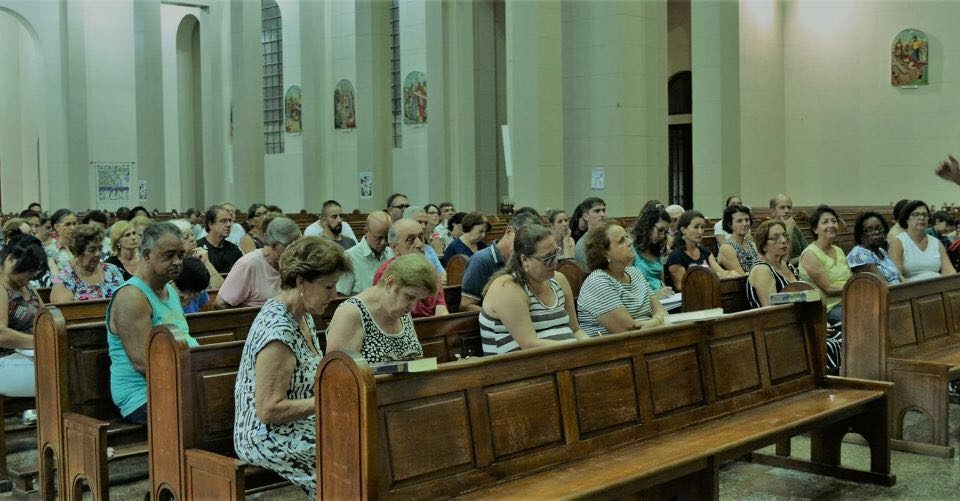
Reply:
x=377, y=322
x=86, y=277
x=474, y=227
x=615, y=296
x=771, y=273
x=274, y=425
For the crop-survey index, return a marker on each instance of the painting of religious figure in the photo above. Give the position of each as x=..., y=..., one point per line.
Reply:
x=909, y=59
x=415, y=98
x=344, y=106
x=293, y=104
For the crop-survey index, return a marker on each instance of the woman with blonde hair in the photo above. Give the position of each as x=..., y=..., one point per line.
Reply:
x=125, y=248
x=377, y=322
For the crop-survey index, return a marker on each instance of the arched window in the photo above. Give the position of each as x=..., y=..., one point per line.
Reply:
x=679, y=96
x=272, y=41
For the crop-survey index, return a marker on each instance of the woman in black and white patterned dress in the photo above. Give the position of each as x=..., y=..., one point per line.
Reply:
x=275, y=427
x=377, y=321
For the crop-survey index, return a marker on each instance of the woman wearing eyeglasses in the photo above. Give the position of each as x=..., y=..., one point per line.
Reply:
x=615, y=296
x=770, y=273
x=870, y=255
x=87, y=276
x=529, y=305
x=649, y=240
x=918, y=257
x=21, y=259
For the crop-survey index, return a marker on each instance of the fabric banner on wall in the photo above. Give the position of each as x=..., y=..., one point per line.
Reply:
x=114, y=184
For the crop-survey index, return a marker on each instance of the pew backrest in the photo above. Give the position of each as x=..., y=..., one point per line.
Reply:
x=574, y=274
x=534, y=409
x=456, y=266
x=703, y=289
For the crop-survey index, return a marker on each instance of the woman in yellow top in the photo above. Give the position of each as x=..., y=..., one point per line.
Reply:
x=825, y=265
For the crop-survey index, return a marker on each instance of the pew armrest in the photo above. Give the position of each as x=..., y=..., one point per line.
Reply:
x=857, y=383
x=214, y=476
x=85, y=452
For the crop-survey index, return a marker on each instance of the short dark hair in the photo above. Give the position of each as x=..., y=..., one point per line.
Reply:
x=861, y=220
x=27, y=252
x=34, y=203
x=211, y=215
x=444, y=205
x=731, y=197
x=60, y=214
x=274, y=208
x=527, y=210
x=817, y=213
x=897, y=207
x=27, y=214
x=908, y=209
x=728, y=216
x=455, y=220
x=123, y=213
x=942, y=216
x=190, y=212
x=84, y=235
x=591, y=202
x=94, y=215
x=327, y=204
x=472, y=219
x=135, y=210
x=193, y=277
x=393, y=196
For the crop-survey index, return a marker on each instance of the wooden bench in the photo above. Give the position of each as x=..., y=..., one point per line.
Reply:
x=908, y=334
x=456, y=266
x=703, y=289
x=574, y=274
x=192, y=415
x=76, y=414
x=649, y=413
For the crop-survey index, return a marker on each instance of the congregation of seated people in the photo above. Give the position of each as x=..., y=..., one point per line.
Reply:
x=392, y=271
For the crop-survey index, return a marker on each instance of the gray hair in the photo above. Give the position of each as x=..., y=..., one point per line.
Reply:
x=183, y=225
x=154, y=232
x=393, y=233
x=412, y=211
x=524, y=219
x=281, y=230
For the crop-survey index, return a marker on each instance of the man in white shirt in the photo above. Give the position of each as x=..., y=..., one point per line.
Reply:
x=331, y=225
x=369, y=253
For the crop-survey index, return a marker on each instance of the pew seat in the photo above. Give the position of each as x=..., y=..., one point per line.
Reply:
x=647, y=414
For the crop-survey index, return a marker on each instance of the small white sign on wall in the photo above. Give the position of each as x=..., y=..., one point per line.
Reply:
x=366, y=185
x=597, y=179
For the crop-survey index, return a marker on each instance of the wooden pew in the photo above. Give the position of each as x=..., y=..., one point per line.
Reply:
x=703, y=289
x=456, y=266
x=44, y=293
x=192, y=414
x=77, y=417
x=574, y=274
x=648, y=413
x=908, y=334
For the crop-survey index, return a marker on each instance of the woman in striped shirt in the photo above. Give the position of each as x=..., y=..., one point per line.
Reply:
x=615, y=296
x=528, y=305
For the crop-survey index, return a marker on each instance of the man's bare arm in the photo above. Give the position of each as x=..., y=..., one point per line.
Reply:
x=130, y=319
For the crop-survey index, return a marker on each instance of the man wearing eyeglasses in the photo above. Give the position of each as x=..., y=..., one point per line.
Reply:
x=396, y=204
x=221, y=252
x=236, y=229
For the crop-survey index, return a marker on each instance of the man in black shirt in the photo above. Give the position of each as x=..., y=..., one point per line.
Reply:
x=222, y=253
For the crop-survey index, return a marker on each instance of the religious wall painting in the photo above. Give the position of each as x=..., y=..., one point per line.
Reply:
x=909, y=59
x=415, y=98
x=344, y=106
x=293, y=106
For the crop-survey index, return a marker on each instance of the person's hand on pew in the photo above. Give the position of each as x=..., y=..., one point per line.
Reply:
x=949, y=169
x=663, y=293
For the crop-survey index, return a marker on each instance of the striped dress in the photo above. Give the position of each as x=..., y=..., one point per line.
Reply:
x=550, y=322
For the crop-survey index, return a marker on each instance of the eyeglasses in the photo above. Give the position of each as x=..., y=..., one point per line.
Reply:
x=225, y=221
x=401, y=207
x=549, y=260
x=778, y=238
x=919, y=215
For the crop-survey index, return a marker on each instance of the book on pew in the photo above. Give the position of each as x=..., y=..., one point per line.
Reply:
x=672, y=302
x=693, y=316
x=398, y=366
x=795, y=297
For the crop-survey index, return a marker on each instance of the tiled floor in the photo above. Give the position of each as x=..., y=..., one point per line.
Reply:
x=918, y=477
